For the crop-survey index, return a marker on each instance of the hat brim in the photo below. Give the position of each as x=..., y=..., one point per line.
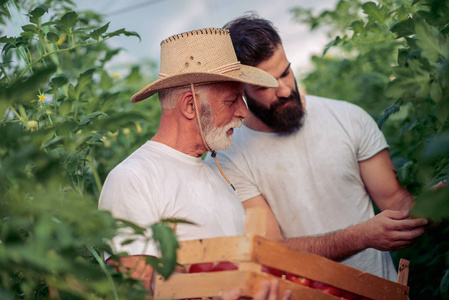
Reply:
x=246, y=74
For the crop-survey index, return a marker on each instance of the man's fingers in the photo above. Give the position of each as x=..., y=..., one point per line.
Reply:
x=287, y=294
x=233, y=294
x=274, y=290
x=262, y=291
x=410, y=224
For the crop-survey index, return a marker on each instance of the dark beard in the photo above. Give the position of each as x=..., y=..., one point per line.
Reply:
x=283, y=121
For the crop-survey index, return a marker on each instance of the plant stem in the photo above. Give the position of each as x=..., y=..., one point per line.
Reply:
x=55, y=52
x=6, y=74
x=105, y=270
x=95, y=173
x=19, y=117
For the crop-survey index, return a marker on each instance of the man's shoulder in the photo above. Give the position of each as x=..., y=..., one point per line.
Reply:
x=138, y=162
x=316, y=103
x=323, y=101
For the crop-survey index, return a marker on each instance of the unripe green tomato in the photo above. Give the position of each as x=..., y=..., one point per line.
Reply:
x=32, y=124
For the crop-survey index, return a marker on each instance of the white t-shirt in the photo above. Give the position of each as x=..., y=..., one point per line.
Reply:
x=311, y=179
x=158, y=182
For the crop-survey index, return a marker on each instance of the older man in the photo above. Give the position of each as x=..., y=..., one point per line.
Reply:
x=314, y=163
x=200, y=91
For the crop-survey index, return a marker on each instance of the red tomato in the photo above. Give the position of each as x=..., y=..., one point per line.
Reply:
x=224, y=266
x=348, y=295
x=272, y=271
x=201, y=267
x=298, y=279
x=327, y=288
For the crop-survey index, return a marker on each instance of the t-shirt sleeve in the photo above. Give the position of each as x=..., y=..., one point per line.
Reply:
x=127, y=198
x=236, y=168
x=369, y=140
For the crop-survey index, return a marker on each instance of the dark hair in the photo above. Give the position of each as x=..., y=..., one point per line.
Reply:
x=254, y=39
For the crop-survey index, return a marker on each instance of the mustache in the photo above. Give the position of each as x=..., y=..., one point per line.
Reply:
x=235, y=124
x=282, y=100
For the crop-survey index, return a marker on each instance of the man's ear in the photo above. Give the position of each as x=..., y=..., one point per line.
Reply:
x=188, y=105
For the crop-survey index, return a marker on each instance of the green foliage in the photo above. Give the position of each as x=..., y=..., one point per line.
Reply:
x=66, y=122
x=392, y=58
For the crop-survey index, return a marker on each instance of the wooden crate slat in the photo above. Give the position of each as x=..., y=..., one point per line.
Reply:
x=273, y=254
x=404, y=267
x=199, y=285
x=236, y=248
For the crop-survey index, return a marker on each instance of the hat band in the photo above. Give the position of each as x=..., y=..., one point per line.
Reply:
x=220, y=70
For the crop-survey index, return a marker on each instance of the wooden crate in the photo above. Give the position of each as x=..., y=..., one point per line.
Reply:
x=251, y=252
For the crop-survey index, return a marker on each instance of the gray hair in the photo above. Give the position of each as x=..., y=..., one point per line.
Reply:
x=168, y=97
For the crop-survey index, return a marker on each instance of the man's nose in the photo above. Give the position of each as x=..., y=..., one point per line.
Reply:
x=242, y=110
x=283, y=91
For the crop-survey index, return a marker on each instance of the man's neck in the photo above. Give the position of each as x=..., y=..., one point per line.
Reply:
x=183, y=137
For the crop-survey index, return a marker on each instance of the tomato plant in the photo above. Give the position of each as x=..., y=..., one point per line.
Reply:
x=392, y=59
x=66, y=120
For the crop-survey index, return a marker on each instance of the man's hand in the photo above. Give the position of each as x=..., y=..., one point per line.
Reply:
x=390, y=230
x=266, y=291
x=440, y=185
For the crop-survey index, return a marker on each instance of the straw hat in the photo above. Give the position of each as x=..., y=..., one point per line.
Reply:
x=202, y=56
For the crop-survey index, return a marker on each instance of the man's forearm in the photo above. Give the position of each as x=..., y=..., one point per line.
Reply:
x=389, y=230
x=336, y=245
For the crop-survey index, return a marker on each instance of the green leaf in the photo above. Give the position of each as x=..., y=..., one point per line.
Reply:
x=175, y=221
x=122, y=120
x=358, y=27
x=435, y=91
x=127, y=242
x=387, y=113
x=403, y=172
x=403, y=28
x=52, y=37
x=71, y=92
x=105, y=80
x=168, y=244
x=374, y=12
x=29, y=27
x=86, y=119
x=38, y=12
x=84, y=80
x=412, y=82
x=122, y=31
x=137, y=229
x=27, y=34
x=337, y=41
x=437, y=148
x=67, y=22
x=432, y=42
x=5, y=39
x=444, y=285
x=65, y=108
x=433, y=205
x=96, y=34
x=59, y=80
